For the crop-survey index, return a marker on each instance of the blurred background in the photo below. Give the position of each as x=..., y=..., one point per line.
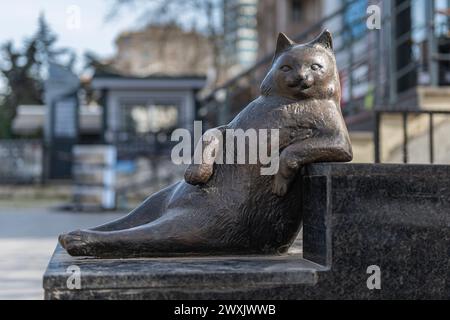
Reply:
x=91, y=92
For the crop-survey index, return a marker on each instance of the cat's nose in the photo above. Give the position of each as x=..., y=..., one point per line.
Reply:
x=302, y=76
x=304, y=81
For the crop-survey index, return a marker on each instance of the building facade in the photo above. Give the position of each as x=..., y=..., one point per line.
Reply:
x=386, y=65
x=167, y=50
x=289, y=16
x=391, y=55
x=145, y=110
x=240, y=34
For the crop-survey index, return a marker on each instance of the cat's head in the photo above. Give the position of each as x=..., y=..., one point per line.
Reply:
x=303, y=71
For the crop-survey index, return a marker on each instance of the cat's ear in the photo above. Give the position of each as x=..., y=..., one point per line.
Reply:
x=283, y=44
x=325, y=40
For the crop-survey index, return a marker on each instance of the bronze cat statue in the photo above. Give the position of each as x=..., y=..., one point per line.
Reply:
x=232, y=208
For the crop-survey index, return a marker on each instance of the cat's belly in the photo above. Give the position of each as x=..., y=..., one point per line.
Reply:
x=230, y=188
x=290, y=126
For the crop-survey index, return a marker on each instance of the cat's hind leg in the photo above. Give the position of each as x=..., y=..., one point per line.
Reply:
x=151, y=209
x=166, y=236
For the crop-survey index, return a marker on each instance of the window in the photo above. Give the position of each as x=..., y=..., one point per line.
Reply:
x=141, y=119
x=355, y=19
x=296, y=9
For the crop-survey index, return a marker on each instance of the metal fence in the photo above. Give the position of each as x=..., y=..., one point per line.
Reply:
x=405, y=115
x=21, y=161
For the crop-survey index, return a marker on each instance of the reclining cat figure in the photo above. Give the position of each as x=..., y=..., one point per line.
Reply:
x=231, y=208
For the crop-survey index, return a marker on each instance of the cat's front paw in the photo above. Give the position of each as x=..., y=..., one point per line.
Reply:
x=198, y=174
x=280, y=185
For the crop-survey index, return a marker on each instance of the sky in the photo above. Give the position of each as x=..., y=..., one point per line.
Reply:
x=79, y=24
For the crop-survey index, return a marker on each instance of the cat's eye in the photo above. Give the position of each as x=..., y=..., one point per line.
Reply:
x=285, y=68
x=316, y=66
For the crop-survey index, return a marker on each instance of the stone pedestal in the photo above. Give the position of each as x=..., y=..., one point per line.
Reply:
x=393, y=217
x=177, y=278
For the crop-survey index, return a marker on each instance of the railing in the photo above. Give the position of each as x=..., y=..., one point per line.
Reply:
x=405, y=116
x=21, y=161
x=376, y=66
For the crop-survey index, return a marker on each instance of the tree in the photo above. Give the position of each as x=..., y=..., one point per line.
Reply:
x=24, y=70
x=22, y=85
x=46, y=50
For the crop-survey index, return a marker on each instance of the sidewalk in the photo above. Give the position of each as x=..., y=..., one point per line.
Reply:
x=28, y=236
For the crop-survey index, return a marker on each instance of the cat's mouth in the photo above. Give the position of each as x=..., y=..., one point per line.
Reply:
x=300, y=85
